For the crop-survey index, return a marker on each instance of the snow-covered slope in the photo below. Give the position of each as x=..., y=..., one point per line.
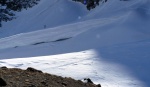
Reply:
x=109, y=44
x=49, y=13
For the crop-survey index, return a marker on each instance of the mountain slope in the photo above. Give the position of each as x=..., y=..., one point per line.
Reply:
x=51, y=13
x=109, y=44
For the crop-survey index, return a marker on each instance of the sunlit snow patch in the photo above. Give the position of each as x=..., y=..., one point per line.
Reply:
x=79, y=65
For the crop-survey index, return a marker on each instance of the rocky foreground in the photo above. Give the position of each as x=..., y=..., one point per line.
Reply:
x=13, y=77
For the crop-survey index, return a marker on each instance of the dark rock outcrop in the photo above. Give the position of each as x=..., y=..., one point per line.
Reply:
x=2, y=82
x=14, y=77
x=33, y=70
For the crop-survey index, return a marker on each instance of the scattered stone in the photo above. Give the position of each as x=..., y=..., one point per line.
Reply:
x=17, y=77
x=2, y=82
x=43, y=82
x=27, y=80
x=32, y=86
x=33, y=70
x=64, y=84
x=88, y=80
x=99, y=85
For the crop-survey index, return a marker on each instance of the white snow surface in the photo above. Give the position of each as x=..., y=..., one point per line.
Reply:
x=109, y=44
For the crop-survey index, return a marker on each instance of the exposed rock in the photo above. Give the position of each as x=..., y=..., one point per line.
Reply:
x=98, y=85
x=35, y=78
x=33, y=70
x=3, y=67
x=2, y=82
x=64, y=84
x=88, y=80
